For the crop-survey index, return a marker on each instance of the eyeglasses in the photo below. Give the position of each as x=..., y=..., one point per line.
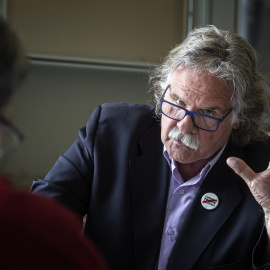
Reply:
x=202, y=121
x=10, y=136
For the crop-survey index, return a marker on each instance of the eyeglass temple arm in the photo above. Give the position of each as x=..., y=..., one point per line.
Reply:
x=163, y=95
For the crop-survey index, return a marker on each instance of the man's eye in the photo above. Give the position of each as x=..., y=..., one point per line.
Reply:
x=180, y=102
x=208, y=112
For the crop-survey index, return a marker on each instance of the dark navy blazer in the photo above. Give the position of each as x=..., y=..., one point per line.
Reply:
x=115, y=172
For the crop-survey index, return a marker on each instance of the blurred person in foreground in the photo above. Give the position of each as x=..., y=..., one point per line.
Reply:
x=35, y=232
x=155, y=180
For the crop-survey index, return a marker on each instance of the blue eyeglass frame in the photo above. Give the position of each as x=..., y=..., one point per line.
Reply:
x=190, y=113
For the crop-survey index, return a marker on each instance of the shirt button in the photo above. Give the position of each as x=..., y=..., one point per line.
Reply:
x=181, y=191
x=170, y=231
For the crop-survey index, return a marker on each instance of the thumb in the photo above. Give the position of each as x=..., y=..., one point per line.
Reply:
x=241, y=168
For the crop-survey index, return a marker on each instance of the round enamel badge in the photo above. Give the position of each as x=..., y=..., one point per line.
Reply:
x=209, y=201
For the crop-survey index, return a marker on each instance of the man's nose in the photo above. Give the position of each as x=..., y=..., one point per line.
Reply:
x=186, y=125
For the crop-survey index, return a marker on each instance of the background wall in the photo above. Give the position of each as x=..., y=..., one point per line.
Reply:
x=141, y=30
x=55, y=101
x=83, y=53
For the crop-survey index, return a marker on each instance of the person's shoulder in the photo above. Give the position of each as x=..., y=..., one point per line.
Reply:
x=21, y=203
x=127, y=112
x=40, y=230
x=120, y=119
x=128, y=107
x=30, y=215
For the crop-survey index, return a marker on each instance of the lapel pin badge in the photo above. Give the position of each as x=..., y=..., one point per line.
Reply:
x=209, y=201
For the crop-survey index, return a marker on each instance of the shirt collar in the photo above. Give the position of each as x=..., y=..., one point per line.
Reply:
x=199, y=177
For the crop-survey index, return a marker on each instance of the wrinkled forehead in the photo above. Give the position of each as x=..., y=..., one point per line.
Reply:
x=201, y=84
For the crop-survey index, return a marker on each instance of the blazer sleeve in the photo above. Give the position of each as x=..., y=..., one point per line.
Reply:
x=70, y=179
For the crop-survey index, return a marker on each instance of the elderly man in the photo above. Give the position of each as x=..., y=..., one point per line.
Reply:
x=174, y=203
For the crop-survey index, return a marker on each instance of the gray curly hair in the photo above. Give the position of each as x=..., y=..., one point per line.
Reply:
x=232, y=59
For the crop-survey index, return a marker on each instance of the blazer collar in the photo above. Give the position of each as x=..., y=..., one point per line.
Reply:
x=149, y=175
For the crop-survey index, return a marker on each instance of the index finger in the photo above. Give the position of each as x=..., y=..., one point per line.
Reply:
x=241, y=168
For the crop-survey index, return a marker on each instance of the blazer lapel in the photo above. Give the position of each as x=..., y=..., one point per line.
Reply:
x=201, y=225
x=149, y=176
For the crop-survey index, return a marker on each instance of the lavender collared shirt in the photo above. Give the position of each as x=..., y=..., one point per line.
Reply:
x=180, y=197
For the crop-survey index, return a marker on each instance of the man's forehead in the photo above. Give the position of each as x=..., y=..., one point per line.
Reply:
x=189, y=86
x=201, y=84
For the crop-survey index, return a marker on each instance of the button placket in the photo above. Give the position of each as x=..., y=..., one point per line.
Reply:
x=181, y=191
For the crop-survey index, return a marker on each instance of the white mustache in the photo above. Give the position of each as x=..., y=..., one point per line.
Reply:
x=189, y=140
